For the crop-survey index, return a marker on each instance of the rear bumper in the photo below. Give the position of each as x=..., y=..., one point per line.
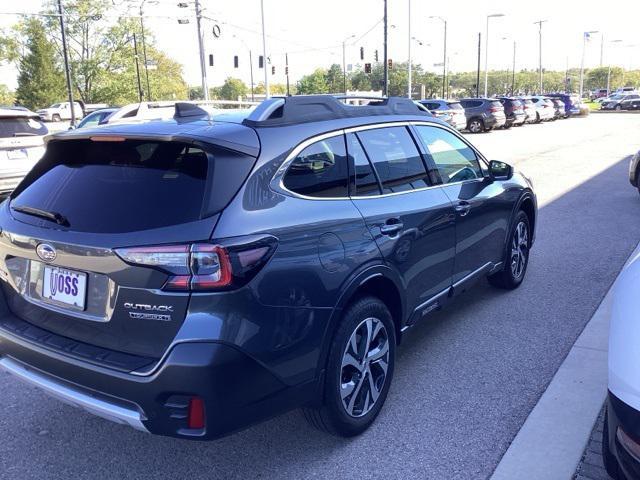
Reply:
x=491, y=121
x=622, y=416
x=237, y=390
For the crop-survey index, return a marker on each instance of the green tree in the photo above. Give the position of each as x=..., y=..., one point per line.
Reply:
x=7, y=97
x=40, y=80
x=334, y=79
x=232, y=89
x=315, y=82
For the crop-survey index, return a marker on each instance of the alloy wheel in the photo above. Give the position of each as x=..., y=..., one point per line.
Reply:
x=519, y=250
x=475, y=126
x=364, y=367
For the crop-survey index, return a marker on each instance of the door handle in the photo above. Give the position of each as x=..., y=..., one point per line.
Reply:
x=391, y=226
x=463, y=208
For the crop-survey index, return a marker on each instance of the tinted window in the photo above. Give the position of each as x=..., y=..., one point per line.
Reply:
x=456, y=161
x=455, y=106
x=395, y=157
x=366, y=182
x=432, y=105
x=114, y=187
x=496, y=103
x=21, y=127
x=320, y=170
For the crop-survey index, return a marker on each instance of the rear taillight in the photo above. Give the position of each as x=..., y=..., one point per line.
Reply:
x=205, y=266
x=496, y=109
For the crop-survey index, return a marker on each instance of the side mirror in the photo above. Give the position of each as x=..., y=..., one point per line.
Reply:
x=500, y=170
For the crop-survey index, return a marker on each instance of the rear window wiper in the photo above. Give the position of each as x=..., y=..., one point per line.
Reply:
x=37, y=212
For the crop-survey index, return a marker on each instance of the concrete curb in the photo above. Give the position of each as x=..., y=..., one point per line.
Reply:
x=552, y=440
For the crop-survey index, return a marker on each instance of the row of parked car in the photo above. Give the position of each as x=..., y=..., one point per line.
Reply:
x=484, y=114
x=620, y=101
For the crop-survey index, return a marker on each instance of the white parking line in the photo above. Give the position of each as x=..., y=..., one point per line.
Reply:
x=550, y=443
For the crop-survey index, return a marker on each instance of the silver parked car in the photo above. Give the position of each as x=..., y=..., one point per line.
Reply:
x=21, y=145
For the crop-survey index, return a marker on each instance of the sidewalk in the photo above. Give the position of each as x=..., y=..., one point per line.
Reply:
x=558, y=440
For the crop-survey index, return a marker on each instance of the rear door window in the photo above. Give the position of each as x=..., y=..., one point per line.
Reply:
x=395, y=158
x=455, y=160
x=366, y=182
x=320, y=170
x=21, y=127
x=127, y=186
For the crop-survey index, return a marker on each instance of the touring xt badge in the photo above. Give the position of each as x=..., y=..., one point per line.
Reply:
x=143, y=311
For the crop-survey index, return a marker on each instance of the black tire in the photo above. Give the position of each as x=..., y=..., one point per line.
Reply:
x=333, y=416
x=538, y=119
x=476, y=125
x=609, y=460
x=507, y=126
x=510, y=277
x=55, y=118
x=618, y=107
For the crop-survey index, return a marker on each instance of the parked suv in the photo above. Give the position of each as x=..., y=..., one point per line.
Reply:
x=449, y=111
x=21, y=145
x=514, y=111
x=616, y=102
x=483, y=114
x=197, y=275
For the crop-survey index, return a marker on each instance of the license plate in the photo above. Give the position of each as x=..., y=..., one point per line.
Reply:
x=20, y=154
x=64, y=286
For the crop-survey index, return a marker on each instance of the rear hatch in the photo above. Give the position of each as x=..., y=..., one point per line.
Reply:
x=70, y=230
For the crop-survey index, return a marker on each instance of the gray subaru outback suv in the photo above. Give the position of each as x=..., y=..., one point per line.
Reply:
x=193, y=276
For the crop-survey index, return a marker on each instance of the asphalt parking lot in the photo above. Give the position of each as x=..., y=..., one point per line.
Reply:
x=465, y=381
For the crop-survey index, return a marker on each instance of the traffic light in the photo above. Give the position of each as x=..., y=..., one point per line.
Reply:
x=390, y=64
x=273, y=69
x=367, y=68
x=211, y=59
x=361, y=53
x=260, y=61
x=286, y=70
x=375, y=55
x=235, y=61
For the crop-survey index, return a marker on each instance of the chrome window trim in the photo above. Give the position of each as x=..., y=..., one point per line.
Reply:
x=277, y=182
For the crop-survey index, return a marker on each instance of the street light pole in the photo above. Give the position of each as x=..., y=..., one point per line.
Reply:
x=609, y=70
x=344, y=63
x=264, y=53
x=66, y=65
x=486, y=52
x=478, y=72
x=250, y=65
x=444, y=56
x=540, y=22
x=385, y=86
x=409, y=50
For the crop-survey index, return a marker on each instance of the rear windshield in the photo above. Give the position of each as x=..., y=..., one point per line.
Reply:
x=21, y=127
x=516, y=103
x=496, y=103
x=455, y=106
x=127, y=186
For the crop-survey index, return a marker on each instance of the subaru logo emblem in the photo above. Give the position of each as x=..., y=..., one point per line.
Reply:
x=46, y=252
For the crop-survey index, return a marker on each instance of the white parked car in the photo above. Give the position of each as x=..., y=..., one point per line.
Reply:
x=621, y=434
x=21, y=145
x=60, y=111
x=544, y=108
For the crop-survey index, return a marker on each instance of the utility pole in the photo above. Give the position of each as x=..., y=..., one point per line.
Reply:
x=286, y=67
x=264, y=53
x=135, y=51
x=203, y=65
x=540, y=22
x=385, y=86
x=513, y=74
x=409, y=62
x=67, y=72
x=478, y=72
x=144, y=50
